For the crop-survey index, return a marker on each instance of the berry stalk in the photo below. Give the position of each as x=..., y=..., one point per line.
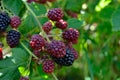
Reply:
x=39, y=24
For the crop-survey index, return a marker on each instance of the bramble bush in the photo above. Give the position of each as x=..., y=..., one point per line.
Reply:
x=59, y=40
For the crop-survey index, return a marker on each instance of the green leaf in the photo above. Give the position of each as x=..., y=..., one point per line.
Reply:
x=20, y=56
x=116, y=20
x=9, y=70
x=15, y=6
x=38, y=9
x=28, y=24
x=74, y=5
x=106, y=13
x=74, y=23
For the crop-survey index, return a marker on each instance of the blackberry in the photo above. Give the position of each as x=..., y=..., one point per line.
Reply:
x=24, y=78
x=40, y=1
x=61, y=24
x=29, y=1
x=1, y=54
x=37, y=42
x=47, y=27
x=37, y=52
x=15, y=21
x=67, y=60
x=13, y=38
x=48, y=66
x=4, y=21
x=74, y=52
x=70, y=35
x=55, y=14
x=51, y=0
x=56, y=48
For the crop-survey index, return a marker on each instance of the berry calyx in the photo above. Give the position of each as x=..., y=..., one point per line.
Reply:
x=47, y=27
x=4, y=21
x=70, y=35
x=67, y=60
x=61, y=24
x=56, y=49
x=15, y=21
x=48, y=66
x=13, y=38
x=55, y=14
x=37, y=42
x=51, y=0
x=1, y=54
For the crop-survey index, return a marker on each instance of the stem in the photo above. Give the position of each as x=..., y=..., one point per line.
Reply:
x=28, y=50
x=39, y=24
x=54, y=76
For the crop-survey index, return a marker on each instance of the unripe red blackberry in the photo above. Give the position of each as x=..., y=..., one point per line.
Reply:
x=51, y=0
x=37, y=42
x=47, y=27
x=24, y=78
x=1, y=54
x=70, y=35
x=67, y=60
x=48, y=66
x=15, y=21
x=29, y=1
x=56, y=49
x=37, y=52
x=61, y=24
x=40, y=1
x=4, y=21
x=55, y=14
x=13, y=38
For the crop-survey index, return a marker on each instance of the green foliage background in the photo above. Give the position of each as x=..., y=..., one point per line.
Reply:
x=98, y=45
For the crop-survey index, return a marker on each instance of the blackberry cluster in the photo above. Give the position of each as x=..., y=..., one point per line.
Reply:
x=13, y=38
x=67, y=60
x=4, y=21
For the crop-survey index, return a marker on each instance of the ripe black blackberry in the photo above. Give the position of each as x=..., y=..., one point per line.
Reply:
x=70, y=35
x=4, y=21
x=55, y=14
x=61, y=24
x=56, y=48
x=67, y=60
x=15, y=21
x=24, y=78
x=13, y=38
x=47, y=27
x=48, y=66
x=37, y=42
